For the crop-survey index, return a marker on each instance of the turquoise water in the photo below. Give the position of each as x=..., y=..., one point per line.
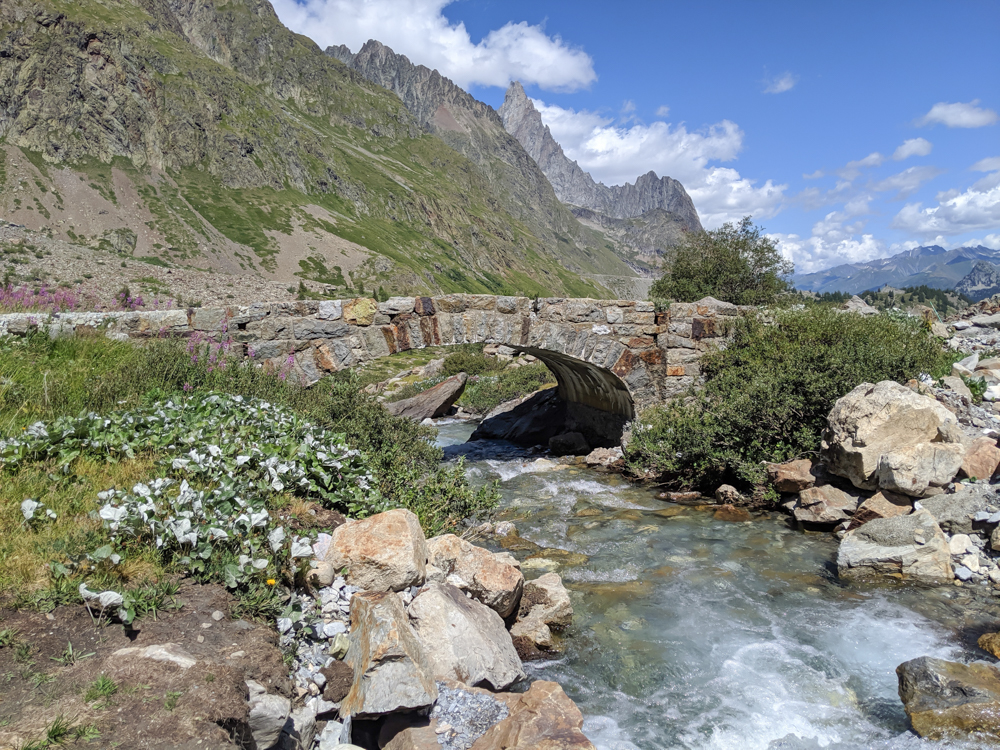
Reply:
x=692, y=632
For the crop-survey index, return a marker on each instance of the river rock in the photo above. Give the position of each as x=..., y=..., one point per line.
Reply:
x=825, y=505
x=981, y=459
x=385, y=552
x=495, y=579
x=727, y=494
x=434, y=402
x=543, y=718
x=545, y=606
x=606, y=458
x=873, y=420
x=883, y=504
x=463, y=639
x=990, y=642
x=792, y=476
x=532, y=420
x=911, y=545
x=391, y=671
x=954, y=513
x=945, y=699
x=916, y=469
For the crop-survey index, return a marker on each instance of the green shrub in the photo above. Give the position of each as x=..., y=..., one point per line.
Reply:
x=767, y=395
x=471, y=361
x=737, y=264
x=485, y=392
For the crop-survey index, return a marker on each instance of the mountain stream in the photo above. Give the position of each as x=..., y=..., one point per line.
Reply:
x=692, y=632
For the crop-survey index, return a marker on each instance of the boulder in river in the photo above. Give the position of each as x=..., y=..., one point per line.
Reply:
x=945, y=699
x=883, y=504
x=385, y=552
x=825, y=505
x=434, y=402
x=912, y=546
x=463, y=639
x=791, y=476
x=545, y=606
x=873, y=420
x=532, y=420
x=569, y=444
x=391, y=671
x=495, y=579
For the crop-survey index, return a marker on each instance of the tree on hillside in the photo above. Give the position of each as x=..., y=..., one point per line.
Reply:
x=735, y=264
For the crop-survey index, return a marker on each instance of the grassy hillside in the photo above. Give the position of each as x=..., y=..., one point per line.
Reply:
x=207, y=135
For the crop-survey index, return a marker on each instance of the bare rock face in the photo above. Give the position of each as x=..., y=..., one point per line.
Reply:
x=463, y=639
x=981, y=459
x=874, y=420
x=495, y=579
x=913, y=546
x=391, y=671
x=915, y=469
x=543, y=718
x=386, y=552
x=576, y=187
x=434, y=402
x=825, y=505
x=884, y=504
x=792, y=476
x=946, y=699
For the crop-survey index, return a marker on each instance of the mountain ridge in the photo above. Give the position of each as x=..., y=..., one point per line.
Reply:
x=930, y=265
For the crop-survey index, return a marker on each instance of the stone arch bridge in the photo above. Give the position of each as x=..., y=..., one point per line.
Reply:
x=613, y=356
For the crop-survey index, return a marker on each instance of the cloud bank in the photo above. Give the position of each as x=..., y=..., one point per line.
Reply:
x=419, y=30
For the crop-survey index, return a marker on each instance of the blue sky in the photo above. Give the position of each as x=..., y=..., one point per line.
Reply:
x=849, y=130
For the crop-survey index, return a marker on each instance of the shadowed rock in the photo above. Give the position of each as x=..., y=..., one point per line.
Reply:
x=432, y=403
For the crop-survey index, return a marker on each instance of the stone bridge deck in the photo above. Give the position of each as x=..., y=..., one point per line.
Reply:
x=617, y=356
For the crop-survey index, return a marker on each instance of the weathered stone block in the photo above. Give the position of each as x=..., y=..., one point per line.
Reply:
x=330, y=310
x=423, y=306
x=360, y=311
x=397, y=305
x=675, y=371
x=312, y=328
x=614, y=315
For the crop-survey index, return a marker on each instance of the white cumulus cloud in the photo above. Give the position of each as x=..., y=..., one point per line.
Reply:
x=912, y=147
x=419, y=30
x=780, y=84
x=975, y=209
x=615, y=154
x=959, y=115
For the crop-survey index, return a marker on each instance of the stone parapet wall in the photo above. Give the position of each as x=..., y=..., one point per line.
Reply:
x=615, y=355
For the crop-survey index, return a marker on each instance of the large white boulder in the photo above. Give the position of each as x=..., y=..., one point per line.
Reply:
x=463, y=639
x=911, y=545
x=495, y=579
x=916, y=469
x=874, y=420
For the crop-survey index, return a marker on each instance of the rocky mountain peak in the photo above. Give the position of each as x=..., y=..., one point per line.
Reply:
x=575, y=186
x=981, y=282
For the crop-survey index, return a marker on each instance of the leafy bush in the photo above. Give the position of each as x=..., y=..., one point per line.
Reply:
x=735, y=264
x=485, y=392
x=767, y=395
x=471, y=361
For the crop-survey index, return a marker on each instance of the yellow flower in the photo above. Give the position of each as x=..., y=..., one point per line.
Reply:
x=271, y=582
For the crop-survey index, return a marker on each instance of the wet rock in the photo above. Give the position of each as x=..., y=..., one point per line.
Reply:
x=792, y=476
x=268, y=714
x=543, y=718
x=569, y=444
x=990, y=642
x=731, y=513
x=494, y=579
x=391, y=672
x=883, y=504
x=981, y=459
x=685, y=498
x=825, y=505
x=545, y=606
x=432, y=403
x=913, y=546
x=386, y=552
x=873, y=420
x=915, y=469
x=463, y=639
x=728, y=494
x=946, y=699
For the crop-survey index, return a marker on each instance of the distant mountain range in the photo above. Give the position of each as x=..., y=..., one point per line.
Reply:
x=930, y=265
